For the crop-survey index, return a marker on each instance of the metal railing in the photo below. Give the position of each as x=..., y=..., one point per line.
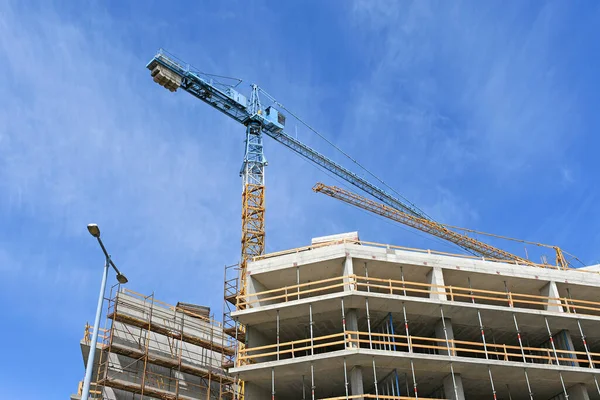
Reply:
x=402, y=343
x=350, y=283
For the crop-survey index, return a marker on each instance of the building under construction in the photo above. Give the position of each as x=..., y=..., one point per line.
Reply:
x=345, y=319
x=153, y=350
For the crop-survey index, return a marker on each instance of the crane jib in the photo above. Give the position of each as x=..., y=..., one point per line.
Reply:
x=179, y=75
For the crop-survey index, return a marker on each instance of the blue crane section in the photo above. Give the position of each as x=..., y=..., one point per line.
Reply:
x=171, y=73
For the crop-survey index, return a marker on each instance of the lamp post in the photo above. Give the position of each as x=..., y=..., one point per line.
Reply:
x=95, y=232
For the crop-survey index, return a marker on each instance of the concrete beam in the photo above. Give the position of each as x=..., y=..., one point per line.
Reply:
x=551, y=290
x=436, y=277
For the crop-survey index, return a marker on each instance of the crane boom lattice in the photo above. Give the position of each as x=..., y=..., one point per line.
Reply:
x=422, y=224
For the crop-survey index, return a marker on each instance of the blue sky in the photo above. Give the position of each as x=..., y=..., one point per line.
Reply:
x=483, y=114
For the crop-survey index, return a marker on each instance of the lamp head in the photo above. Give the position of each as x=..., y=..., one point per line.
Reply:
x=121, y=278
x=94, y=230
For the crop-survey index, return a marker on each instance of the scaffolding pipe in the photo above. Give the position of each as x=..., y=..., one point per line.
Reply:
x=480, y=322
x=312, y=381
x=402, y=277
x=375, y=380
x=272, y=383
x=369, y=322
x=277, y=335
x=412, y=367
x=492, y=382
x=367, y=276
x=312, y=350
x=483, y=339
x=345, y=378
x=303, y=389
x=344, y=324
x=562, y=382
x=298, y=280
x=449, y=354
x=523, y=354
x=393, y=338
x=583, y=339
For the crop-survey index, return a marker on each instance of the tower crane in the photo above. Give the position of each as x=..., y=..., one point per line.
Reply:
x=222, y=94
x=434, y=228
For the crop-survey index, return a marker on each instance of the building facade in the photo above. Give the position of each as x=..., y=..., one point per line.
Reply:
x=344, y=319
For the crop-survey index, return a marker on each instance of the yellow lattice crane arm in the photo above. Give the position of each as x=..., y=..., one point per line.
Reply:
x=431, y=227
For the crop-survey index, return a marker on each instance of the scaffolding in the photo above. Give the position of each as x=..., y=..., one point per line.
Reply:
x=235, y=332
x=155, y=350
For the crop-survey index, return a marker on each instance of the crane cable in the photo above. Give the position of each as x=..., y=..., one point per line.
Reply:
x=343, y=152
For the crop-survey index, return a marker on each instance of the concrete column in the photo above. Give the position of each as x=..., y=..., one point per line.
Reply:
x=352, y=324
x=253, y=287
x=436, y=277
x=254, y=338
x=578, y=392
x=551, y=290
x=563, y=341
x=439, y=333
x=348, y=270
x=254, y=392
x=356, y=382
x=449, y=387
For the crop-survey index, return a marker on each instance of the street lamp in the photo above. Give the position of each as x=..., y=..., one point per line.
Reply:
x=95, y=232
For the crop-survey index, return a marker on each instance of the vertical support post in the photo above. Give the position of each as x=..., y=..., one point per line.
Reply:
x=492, y=382
x=344, y=325
x=278, y=335
x=409, y=341
x=450, y=354
x=412, y=367
x=410, y=350
x=367, y=276
x=402, y=277
x=272, y=383
x=523, y=354
x=312, y=381
x=312, y=349
x=562, y=382
x=483, y=339
x=585, y=345
x=375, y=380
x=298, y=280
x=392, y=338
x=369, y=323
x=345, y=378
x=303, y=389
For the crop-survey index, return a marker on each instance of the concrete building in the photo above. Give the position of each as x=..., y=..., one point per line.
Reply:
x=153, y=350
x=347, y=319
